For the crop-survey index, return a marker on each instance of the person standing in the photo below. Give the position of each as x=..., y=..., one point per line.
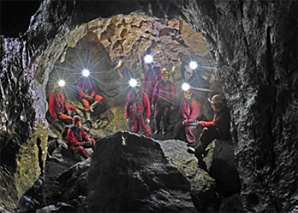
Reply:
x=77, y=139
x=152, y=76
x=163, y=93
x=58, y=108
x=188, y=112
x=137, y=110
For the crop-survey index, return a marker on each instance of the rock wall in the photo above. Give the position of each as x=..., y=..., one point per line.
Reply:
x=254, y=44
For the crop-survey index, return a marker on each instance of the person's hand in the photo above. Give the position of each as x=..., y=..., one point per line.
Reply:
x=90, y=97
x=152, y=107
x=147, y=121
x=88, y=144
x=183, y=122
x=172, y=108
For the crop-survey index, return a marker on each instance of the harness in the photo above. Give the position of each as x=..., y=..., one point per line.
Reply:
x=159, y=100
x=135, y=104
x=77, y=133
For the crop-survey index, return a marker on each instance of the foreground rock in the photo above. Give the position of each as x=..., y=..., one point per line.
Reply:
x=131, y=173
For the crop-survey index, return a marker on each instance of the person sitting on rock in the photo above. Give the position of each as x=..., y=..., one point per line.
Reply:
x=137, y=109
x=87, y=91
x=188, y=113
x=77, y=139
x=57, y=106
x=219, y=128
x=163, y=94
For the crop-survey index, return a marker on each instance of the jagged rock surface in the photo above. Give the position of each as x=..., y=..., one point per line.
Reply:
x=254, y=45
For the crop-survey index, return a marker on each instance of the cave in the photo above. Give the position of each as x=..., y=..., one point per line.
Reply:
x=247, y=51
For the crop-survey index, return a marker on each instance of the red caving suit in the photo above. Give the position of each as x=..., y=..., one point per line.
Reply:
x=137, y=109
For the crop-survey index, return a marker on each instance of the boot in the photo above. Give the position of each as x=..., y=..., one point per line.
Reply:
x=93, y=105
x=164, y=131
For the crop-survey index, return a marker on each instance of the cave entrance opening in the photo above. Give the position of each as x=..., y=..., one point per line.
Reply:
x=113, y=51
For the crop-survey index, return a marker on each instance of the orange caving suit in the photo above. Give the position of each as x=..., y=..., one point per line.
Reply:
x=76, y=138
x=58, y=107
x=87, y=88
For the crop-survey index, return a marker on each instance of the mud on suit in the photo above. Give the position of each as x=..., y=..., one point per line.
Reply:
x=137, y=110
x=188, y=112
x=150, y=80
x=219, y=128
x=86, y=88
x=76, y=139
x=58, y=108
x=162, y=94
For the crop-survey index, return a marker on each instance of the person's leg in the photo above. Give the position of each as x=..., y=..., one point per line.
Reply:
x=86, y=104
x=145, y=127
x=189, y=135
x=177, y=130
x=134, y=126
x=157, y=119
x=206, y=137
x=166, y=119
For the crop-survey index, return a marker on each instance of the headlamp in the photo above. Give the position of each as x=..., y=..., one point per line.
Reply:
x=85, y=72
x=193, y=65
x=133, y=82
x=61, y=83
x=148, y=59
x=185, y=87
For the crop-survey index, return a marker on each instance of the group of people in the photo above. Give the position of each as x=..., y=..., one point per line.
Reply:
x=161, y=96
x=158, y=93
x=76, y=138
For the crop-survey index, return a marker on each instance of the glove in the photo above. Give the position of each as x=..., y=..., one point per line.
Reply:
x=152, y=107
x=183, y=122
x=88, y=144
x=147, y=121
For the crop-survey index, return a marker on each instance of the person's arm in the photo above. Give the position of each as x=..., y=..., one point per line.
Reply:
x=207, y=123
x=93, y=87
x=52, y=106
x=195, y=110
x=81, y=92
x=84, y=135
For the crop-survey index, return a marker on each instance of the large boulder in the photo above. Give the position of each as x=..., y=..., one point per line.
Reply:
x=131, y=173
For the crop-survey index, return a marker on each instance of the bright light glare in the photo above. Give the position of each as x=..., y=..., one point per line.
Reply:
x=85, y=72
x=193, y=65
x=185, y=86
x=61, y=83
x=148, y=59
x=133, y=82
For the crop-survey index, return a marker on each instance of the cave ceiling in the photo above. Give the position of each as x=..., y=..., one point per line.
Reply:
x=113, y=50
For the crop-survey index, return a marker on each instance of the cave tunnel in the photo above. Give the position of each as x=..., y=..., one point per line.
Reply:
x=246, y=50
x=113, y=51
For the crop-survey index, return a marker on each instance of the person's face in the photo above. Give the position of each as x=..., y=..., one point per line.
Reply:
x=187, y=95
x=137, y=89
x=59, y=89
x=78, y=125
x=215, y=109
x=165, y=77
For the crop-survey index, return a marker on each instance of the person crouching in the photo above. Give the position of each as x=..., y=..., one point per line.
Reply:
x=77, y=139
